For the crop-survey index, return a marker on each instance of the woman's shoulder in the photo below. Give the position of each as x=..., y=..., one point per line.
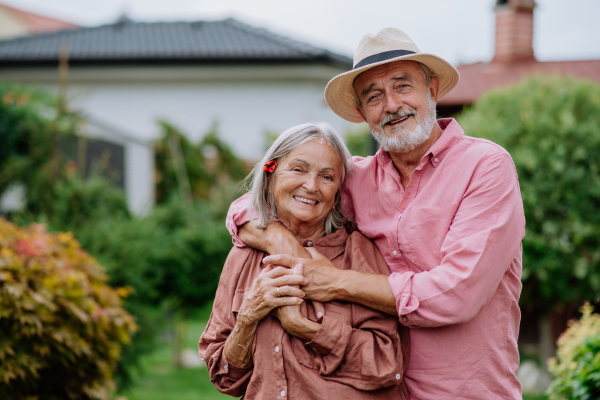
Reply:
x=242, y=261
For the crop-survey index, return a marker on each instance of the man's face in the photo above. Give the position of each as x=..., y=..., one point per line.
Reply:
x=397, y=104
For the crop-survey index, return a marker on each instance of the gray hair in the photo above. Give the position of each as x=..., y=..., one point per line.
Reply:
x=262, y=200
x=428, y=76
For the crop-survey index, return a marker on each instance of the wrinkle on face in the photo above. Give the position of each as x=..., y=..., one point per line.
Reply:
x=313, y=172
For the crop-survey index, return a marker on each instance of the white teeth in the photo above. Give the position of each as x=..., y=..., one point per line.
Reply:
x=307, y=201
x=398, y=120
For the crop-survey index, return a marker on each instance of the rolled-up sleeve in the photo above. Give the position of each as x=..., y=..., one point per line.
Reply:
x=238, y=216
x=483, y=240
x=227, y=378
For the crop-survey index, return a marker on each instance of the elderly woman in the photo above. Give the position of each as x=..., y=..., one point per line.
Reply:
x=262, y=340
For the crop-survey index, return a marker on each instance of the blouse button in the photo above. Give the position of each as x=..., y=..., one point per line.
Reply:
x=225, y=368
x=283, y=393
x=398, y=377
x=309, y=244
x=395, y=252
x=276, y=349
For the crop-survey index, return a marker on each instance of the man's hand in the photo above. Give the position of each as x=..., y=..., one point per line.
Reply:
x=274, y=239
x=323, y=277
x=327, y=283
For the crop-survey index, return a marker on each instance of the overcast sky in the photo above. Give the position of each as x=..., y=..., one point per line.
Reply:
x=461, y=31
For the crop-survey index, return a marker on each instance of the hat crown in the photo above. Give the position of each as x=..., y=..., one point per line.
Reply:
x=387, y=39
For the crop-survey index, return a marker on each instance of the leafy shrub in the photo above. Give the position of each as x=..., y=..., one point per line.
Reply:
x=360, y=142
x=551, y=128
x=576, y=368
x=63, y=327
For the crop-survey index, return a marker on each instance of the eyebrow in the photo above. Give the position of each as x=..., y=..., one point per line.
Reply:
x=301, y=161
x=403, y=77
x=307, y=164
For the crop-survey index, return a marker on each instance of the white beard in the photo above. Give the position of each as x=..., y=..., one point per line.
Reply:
x=403, y=140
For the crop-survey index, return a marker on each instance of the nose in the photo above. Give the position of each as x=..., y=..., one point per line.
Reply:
x=310, y=184
x=392, y=103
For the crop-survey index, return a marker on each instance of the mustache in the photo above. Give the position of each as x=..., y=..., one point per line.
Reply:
x=396, y=115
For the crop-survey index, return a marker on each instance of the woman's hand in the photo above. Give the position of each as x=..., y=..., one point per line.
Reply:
x=274, y=287
x=292, y=319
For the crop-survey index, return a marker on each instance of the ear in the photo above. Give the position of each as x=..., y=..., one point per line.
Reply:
x=362, y=115
x=434, y=88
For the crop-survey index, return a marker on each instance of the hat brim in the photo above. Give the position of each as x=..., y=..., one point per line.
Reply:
x=339, y=92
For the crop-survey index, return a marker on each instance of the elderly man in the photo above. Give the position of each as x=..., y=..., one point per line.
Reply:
x=446, y=213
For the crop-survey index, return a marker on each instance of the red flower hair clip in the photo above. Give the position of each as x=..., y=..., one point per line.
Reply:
x=270, y=166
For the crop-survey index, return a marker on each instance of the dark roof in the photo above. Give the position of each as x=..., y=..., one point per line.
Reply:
x=200, y=42
x=476, y=79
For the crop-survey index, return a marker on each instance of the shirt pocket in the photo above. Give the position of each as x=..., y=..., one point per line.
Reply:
x=426, y=231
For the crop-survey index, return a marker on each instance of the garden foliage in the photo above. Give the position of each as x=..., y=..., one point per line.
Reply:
x=174, y=255
x=576, y=368
x=63, y=328
x=551, y=128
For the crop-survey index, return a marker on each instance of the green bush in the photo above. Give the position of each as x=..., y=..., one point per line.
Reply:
x=63, y=328
x=551, y=128
x=576, y=368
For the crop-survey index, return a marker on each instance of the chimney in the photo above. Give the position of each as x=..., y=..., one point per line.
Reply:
x=514, y=30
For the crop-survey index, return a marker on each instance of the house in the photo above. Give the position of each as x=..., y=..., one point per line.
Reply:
x=124, y=76
x=15, y=22
x=513, y=59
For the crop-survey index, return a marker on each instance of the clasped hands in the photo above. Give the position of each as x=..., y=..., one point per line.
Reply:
x=283, y=284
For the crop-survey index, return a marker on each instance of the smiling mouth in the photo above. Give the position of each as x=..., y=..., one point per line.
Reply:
x=306, y=201
x=397, y=120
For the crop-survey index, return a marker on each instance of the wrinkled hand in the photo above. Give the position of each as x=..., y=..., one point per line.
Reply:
x=290, y=315
x=264, y=297
x=321, y=275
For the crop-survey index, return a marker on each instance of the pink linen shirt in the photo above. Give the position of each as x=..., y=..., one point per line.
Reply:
x=452, y=242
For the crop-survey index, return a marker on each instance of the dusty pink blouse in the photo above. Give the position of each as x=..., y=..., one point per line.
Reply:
x=357, y=354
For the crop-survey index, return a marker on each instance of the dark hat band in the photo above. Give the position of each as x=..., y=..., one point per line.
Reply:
x=386, y=55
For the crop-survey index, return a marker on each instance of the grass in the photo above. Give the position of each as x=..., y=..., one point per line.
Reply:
x=535, y=397
x=160, y=380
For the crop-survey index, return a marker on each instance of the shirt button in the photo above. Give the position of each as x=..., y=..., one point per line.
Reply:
x=404, y=318
x=395, y=252
x=283, y=393
x=398, y=376
x=309, y=244
x=400, y=216
x=276, y=349
x=225, y=368
x=435, y=160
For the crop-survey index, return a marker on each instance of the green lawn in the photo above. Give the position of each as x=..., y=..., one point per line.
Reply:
x=159, y=380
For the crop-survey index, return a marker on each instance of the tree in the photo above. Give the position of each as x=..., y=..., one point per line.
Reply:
x=551, y=128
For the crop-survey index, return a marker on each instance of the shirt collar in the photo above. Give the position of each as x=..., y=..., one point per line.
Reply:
x=332, y=245
x=452, y=134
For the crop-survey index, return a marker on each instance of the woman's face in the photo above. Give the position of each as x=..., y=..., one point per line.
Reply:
x=306, y=183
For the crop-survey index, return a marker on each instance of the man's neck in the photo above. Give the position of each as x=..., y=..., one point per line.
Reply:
x=407, y=162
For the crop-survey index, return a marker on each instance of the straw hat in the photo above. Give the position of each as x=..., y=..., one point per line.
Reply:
x=388, y=45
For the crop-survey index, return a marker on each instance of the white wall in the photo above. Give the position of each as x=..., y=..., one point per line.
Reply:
x=246, y=102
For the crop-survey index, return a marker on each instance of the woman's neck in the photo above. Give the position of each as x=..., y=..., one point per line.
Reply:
x=305, y=232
